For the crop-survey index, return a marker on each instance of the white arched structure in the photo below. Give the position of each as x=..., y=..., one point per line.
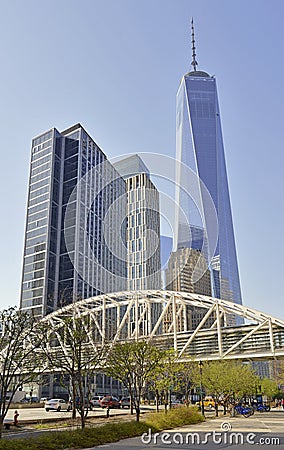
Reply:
x=161, y=316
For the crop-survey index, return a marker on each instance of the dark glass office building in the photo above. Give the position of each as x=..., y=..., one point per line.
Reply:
x=200, y=147
x=72, y=250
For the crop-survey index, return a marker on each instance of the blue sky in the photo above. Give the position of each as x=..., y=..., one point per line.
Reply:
x=115, y=66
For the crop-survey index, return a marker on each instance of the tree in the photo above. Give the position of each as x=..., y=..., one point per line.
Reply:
x=269, y=387
x=70, y=352
x=280, y=373
x=185, y=375
x=134, y=364
x=20, y=358
x=226, y=380
x=166, y=378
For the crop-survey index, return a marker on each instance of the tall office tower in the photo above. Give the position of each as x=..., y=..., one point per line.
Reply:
x=181, y=266
x=71, y=246
x=200, y=147
x=179, y=277
x=143, y=225
x=197, y=240
x=264, y=369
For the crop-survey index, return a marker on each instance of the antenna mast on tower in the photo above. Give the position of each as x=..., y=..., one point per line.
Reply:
x=194, y=63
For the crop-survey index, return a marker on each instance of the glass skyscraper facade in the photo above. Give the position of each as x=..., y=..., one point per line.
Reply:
x=200, y=147
x=72, y=251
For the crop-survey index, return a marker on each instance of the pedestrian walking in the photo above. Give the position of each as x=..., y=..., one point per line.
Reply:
x=16, y=415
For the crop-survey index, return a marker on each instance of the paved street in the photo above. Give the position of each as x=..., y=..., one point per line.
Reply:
x=40, y=413
x=265, y=429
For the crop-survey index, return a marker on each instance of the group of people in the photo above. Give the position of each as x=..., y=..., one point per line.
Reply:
x=279, y=403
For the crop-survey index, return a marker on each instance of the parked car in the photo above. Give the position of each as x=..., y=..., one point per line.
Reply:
x=32, y=399
x=87, y=403
x=208, y=402
x=109, y=402
x=176, y=403
x=95, y=401
x=125, y=402
x=57, y=404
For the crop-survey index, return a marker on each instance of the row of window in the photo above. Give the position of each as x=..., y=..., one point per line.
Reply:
x=35, y=258
x=37, y=223
x=37, y=248
x=37, y=216
x=34, y=233
x=33, y=284
x=135, y=232
x=137, y=181
x=202, y=110
x=140, y=283
x=39, y=184
x=137, y=271
x=92, y=152
x=34, y=270
x=33, y=241
x=71, y=147
x=38, y=192
x=40, y=177
x=38, y=208
x=40, y=139
x=136, y=219
x=88, y=264
x=40, y=147
x=34, y=274
x=33, y=302
x=38, y=154
x=136, y=195
x=136, y=245
x=39, y=171
x=39, y=199
x=41, y=161
x=32, y=293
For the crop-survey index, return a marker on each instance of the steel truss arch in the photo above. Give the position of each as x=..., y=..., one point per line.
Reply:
x=161, y=316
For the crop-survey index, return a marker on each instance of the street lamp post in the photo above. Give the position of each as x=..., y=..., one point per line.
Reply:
x=201, y=387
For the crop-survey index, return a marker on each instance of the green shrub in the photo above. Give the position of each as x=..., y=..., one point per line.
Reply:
x=110, y=432
x=60, y=440
x=174, y=418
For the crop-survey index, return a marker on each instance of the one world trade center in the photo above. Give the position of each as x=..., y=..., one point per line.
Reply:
x=199, y=146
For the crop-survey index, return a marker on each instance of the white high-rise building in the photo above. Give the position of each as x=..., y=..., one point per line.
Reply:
x=143, y=225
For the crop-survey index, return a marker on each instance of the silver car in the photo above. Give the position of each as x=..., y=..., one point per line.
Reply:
x=57, y=404
x=95, y=401
x=125, y=402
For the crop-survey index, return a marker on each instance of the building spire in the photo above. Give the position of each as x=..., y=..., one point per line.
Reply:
x=194, y=63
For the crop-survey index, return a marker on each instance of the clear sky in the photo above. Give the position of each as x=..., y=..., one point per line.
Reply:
x=115, y=66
